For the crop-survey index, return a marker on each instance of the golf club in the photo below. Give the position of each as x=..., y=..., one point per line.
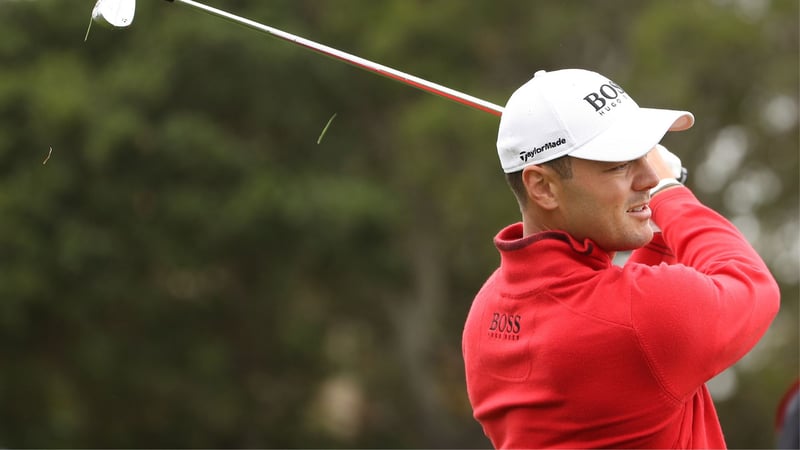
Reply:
x=119, y=14
x=114, y=13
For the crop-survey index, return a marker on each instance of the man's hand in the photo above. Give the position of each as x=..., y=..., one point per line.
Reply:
x=667, y=166
x=665, y=163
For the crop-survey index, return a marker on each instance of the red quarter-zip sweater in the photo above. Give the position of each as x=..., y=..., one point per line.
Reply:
x=564, y=349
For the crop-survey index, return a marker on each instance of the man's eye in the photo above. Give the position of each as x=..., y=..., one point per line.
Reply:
x=622, y=166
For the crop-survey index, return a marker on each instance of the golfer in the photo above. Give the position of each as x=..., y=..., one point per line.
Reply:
x=563, y=348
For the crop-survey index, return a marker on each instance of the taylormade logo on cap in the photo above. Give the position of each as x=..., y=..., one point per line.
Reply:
x=582, y=114
x=526, y=155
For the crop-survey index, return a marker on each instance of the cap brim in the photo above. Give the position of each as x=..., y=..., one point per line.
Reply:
x=634, y=136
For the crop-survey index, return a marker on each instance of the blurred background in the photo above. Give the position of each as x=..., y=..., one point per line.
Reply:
x=182, y=264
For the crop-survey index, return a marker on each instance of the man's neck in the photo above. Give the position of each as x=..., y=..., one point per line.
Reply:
x=530, y=226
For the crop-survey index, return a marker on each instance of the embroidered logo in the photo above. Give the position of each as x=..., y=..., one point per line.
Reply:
x=608, y=96
x=528, y=154
x=505, y=326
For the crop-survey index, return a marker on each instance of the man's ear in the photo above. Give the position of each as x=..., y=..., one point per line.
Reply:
x=540, y=185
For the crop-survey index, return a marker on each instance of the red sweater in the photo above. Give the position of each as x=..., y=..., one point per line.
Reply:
x=564, y=349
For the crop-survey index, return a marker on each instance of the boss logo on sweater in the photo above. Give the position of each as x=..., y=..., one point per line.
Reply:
x=505, y=326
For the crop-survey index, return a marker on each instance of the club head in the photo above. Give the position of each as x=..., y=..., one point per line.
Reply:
x=114, y=13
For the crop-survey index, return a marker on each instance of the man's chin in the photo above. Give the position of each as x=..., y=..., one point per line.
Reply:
x=642, y=238
x=647, y=236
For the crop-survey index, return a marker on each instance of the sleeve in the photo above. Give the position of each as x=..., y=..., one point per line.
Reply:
x=699, y=316
x=653, y=253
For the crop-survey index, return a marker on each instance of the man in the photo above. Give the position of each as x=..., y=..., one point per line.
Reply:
x=561, y=347
x=787, y=423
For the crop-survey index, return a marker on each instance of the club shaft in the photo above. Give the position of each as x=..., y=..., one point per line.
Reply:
x=353, y=60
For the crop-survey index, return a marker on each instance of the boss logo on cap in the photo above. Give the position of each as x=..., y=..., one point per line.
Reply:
x=528, y=154
x=608, y=96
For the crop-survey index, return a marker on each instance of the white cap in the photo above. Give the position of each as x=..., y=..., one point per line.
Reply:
x=582, y=114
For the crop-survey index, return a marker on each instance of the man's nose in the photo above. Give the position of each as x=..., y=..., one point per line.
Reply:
x=646, y=177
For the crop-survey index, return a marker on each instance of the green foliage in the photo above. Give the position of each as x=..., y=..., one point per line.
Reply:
x=191, y=269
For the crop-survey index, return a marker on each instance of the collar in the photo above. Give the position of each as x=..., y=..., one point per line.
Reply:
x=545, y=254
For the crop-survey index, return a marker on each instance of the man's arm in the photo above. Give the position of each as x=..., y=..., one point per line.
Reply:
x=701, y=315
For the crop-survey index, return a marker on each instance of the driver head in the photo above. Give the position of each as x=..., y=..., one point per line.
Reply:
x=114, y=13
